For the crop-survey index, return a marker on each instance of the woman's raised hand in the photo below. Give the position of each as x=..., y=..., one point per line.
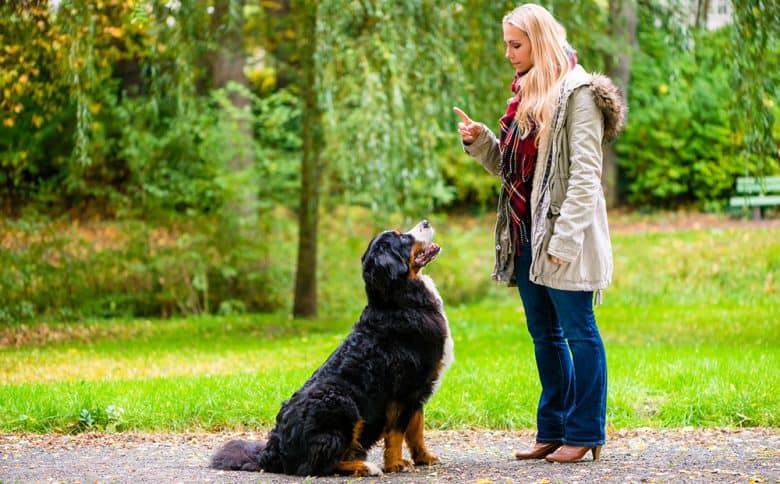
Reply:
x=468, y=129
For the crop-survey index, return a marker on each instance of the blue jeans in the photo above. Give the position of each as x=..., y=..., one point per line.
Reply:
x=570, y=358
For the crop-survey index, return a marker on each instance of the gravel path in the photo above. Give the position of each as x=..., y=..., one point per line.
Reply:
x=475, y=456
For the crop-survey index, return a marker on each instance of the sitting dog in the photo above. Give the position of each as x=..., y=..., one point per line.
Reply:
x=375, y=383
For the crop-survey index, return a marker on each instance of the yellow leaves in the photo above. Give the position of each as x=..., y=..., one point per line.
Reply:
x=24, y=79
x=9, y=122
x=115, y=32
x=271, y=5
x=12, y=49
x=18, y=108
x=95, y=108
x=663, y=89
x=267, y=84
x=37, y=120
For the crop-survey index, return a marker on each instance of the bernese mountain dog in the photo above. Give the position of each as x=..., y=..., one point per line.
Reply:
x=375, y=383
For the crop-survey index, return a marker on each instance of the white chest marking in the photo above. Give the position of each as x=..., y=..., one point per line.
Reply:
x=448, y=355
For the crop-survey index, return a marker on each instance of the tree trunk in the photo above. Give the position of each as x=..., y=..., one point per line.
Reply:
x=227, y=65
x=305, y=304
x=622, y=24
x=702, y=13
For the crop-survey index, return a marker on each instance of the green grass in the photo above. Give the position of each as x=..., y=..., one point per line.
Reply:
x=691, y=326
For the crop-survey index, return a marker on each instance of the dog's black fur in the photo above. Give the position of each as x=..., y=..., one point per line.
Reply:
x=375, y=383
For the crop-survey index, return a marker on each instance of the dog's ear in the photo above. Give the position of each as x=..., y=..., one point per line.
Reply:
x=382, y=265
x=368, y=249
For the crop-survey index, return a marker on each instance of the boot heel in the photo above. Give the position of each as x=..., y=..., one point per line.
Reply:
x=596, y=451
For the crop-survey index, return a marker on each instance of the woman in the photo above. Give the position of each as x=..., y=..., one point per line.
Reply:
x=552, y=239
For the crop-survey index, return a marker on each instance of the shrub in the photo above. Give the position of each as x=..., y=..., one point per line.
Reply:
x=63, y=271
x=679, y=147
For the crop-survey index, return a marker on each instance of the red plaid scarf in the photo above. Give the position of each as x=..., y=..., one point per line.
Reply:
x=518, y=159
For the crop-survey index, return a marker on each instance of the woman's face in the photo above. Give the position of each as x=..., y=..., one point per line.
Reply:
x=518, y=48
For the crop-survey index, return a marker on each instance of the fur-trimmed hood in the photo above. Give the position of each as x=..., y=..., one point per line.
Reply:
x=610, y=100
x=607, y=96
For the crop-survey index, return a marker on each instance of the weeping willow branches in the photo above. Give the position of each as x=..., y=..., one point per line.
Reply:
x=384, y=115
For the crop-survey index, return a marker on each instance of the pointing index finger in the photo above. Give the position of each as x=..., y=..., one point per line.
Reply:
x=462, y=115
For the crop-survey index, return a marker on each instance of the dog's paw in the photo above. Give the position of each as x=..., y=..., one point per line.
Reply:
x=399, y=466
x=425, y=459
x=372, y=469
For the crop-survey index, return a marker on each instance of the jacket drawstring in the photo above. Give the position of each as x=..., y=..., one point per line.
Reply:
x=598, y=297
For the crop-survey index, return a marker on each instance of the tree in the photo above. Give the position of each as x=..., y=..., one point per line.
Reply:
x=756, y=60
x=305, y=301
x=702, y=13
x=227, y=70
x=385, y=88
x=622, y=26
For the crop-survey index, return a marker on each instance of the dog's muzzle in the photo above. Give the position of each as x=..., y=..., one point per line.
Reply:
x=423, y=232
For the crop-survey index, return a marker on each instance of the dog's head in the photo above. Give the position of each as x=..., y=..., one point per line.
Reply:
x=394, y=257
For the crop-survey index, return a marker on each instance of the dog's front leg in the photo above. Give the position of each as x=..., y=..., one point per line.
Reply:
x=394, y=461
x=415, y=442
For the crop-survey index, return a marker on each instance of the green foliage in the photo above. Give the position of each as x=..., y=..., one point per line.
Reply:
x=110, y=106
x=385, y=115
x=95, y=418
x=62, y=271
x=755, y=80
x=278, y=144
x=34, y=105
x=679, y=146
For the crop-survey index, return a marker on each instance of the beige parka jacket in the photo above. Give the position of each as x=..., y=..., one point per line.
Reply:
x=568, y=209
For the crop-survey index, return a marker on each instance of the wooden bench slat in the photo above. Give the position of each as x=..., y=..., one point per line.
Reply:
x=755, y=201
x=758, y=185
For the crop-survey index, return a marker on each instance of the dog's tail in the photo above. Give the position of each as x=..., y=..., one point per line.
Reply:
x=243, y=455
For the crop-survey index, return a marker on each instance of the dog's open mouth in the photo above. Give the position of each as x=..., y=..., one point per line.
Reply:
x=425, y=256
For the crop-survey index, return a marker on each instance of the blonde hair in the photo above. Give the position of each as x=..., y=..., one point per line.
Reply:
x=538, y=89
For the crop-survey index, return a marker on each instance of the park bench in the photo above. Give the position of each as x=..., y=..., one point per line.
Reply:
x=756, y=193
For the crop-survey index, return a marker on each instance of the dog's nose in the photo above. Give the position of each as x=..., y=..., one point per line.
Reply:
x=425, y=224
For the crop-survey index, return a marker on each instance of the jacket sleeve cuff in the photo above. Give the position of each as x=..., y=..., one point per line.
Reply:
x=479, y=145
x=567, y=250
x=485, y=149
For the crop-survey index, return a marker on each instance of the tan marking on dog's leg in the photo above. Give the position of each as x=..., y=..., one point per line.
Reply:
x=355, y=448
x=357, y=468
x=394, y=461
x=394, y=439
x=415, y=442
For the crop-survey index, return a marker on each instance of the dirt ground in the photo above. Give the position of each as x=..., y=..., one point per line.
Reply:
x=474, y=456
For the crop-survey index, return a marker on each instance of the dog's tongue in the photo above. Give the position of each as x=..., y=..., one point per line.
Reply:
x=427, y=254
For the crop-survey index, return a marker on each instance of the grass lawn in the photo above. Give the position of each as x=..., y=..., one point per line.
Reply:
x=691, y=326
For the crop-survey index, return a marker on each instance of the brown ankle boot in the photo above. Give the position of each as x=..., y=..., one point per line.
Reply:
x=539, y=451
x=573, y=453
